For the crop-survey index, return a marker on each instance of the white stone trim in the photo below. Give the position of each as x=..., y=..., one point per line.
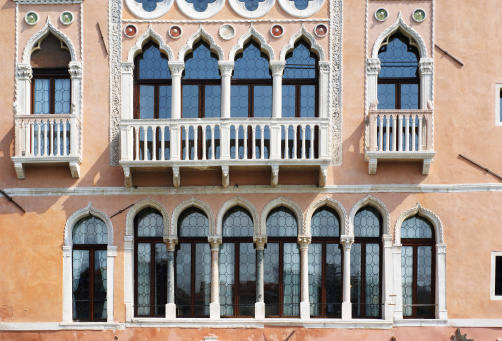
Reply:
x=140, y=205
x=137, y=9
x=115, y=92
x=494, y=297
x=111, y=253
x=251, y=34
x=429, y=215
x=189, y=10
x=302, y=33
x=498, y=96
x=149, y=34
x=240, y=8
x=289, y=7
x=192, y=202
x=47, y=2
x=281, y=201
x=374, y=202
x=237, y=201
x=200, y=34
x=332, y=203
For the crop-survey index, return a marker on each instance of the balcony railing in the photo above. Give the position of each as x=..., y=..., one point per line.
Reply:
x=47, y=139
x=400, y=135
x=218, y=142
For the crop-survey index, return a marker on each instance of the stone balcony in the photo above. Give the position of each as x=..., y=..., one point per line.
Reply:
x=47, y=140
x=298, y=143
x=411, y=141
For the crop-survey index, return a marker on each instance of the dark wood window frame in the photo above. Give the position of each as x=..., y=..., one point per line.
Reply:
x=91, y=248
x=397, y=82
x=52, y=75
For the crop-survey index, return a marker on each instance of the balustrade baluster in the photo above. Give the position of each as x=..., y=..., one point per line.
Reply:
x=253, y=142
x=400, y=130
x=245, y=147
x=380, y=135
x=136, y=133
x=407, y=133
x=262, y=135
x=295, y=142
x=58, y=136
x=236, y=127
x=65, y=137
x=195, y=142
x=387, y=133
x=213, y=148
x=420, y=133
x=394, y=132
x=154, y=143
x=32, y=137
x=204, y=130
x=51, y=138
x=312, y=141
x=413, y=140
x=304, y=137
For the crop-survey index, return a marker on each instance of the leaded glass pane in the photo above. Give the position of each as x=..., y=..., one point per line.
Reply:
x=281, y=222
x=227, y=278
x=237, y=223
x=372, y=280
x=407, y=279
x=498, y=276
x=148, y=5
x=409, y=96
x=307, y=101
x=386, y=96
x=160, y=278
x=153, y=65
x=81, y=285
x=288, y=101
x=100, y=279
x=165, y=94
x=251, y=5
x=247, y=279
x=367, y=222
x=262, y=101
x=190, y=101
x=398, y=58
x=42, y=96
x=90, y=230
x=356, y=279
x=202, y=279
x=150, y=223
x=239, y=102
x=291, y=279
x=271, y=279
x=202, y=64
x=183, y=291
x=143, y=278
x=424, y=281
x=325, y=223
x=146, y=101
x=315, y=279
x=333, y=280
x=212, y=101
x=62, y=96
x=301, y=63
x=252, y=64
x=193, y=223
x=416, y=227
x=200, y=5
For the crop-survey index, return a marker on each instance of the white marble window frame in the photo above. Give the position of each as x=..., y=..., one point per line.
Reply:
x=189, y=10
x=240, y=8
x=312, y=8
x=137, y=9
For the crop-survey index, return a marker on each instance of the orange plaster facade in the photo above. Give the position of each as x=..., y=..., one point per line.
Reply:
x=464, y=198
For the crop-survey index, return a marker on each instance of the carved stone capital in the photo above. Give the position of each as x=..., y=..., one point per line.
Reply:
x=373, y=66
x=170, y=242
x=215, y=242
x=324, y=67
x=425, y=66
x=24, y=71
x=127, y=68
x=260, y=242
x=226, y=67
x=304, y=241
x=75, y=69
x=176, y=68
x=347, y=241
x=277, y=67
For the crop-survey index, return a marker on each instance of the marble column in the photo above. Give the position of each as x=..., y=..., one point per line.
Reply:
x=304, y=242
x=176, y=71
x=259, y=242
x=277, y=67
x=171, y=305
x=226, y=69
x=347, y=242
x=214, y=307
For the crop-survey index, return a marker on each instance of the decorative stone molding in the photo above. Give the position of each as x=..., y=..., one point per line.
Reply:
x=277, y=67
x=194, y=38
x=304, y=241
x=82, y=213
x=302, y=33
x=251, y=34
x=426, y=66
x=347, y=241
x=323, y=175
x=170, y=242
x=332, y=203
x=225, y=176
x=429, y=215
x=371, y=201
x=189, y=10
x=215, y=242
x=260, y=241
x=282, y=201
x=176, y=68
x=406, y=30
x=148, y=202
x=275, y=175
x=48, y=2
x=115, y=60
x=226, y=67
x=40, y=35
x=176, y=177
x=192, y=202
x=289, y=7
x=240, y=8
x=75, y=69
x=237, y=201
x=149, y=34
x=24, y=71
x=459, y=337
x=137, y=9
x=127, y=67
x=373, y=66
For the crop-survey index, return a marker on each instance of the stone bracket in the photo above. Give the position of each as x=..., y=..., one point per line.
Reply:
x=225, y=176
x=75, y=170
x=275, y=175
x=127, y=177
x=374, y=157
x=176, y=176
x=323, y=175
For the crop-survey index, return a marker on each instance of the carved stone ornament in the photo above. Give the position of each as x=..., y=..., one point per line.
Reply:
x=277, y=67
x=335, y=86
x=459, y=337
x=226, y=67
x=75, y=69
x=426, y=66
x=136, y=7
x=373, y=66
x=24, y=71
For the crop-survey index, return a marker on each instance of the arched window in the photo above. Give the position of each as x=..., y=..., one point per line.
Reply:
x=153, y=84
x=325, y=264
x=251, y=84
x=418, y=264
x=193, y=265
x=201, y=84
x=282, y=265
x=237, y=260
x=300, y=83
x=90, y=239
x=398, y=80
x=51, y=85
x=366, y=264
x=150, y=260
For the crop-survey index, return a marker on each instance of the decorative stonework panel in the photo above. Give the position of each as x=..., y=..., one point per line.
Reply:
x=149, y=9
x=200, y=9
x=301, y=8
x=251, y=8
x=115, y=44
x=335, y=88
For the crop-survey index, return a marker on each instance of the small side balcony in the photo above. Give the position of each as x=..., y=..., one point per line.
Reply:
x=226, y=143
x=400, y=135
x=47, y=140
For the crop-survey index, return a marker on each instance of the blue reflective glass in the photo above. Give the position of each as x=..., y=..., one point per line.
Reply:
x=398, y=59
x=301, y=63
x=146, y=101
x=263, y=101
x=200, y=5
x=409, y=98
x=212, y=101
x=239, y=103
x=251, y=5
x=307, y=101
x=190, y=101
x=165, y=94
x=202, y=64
x=301, y=4
x=386, y=96
x=148, y=5
x=252, y=64
x=153, y=65
x=288, y=100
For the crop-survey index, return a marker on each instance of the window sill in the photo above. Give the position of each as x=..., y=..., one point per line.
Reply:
x=91, y=325
x=420, y=323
